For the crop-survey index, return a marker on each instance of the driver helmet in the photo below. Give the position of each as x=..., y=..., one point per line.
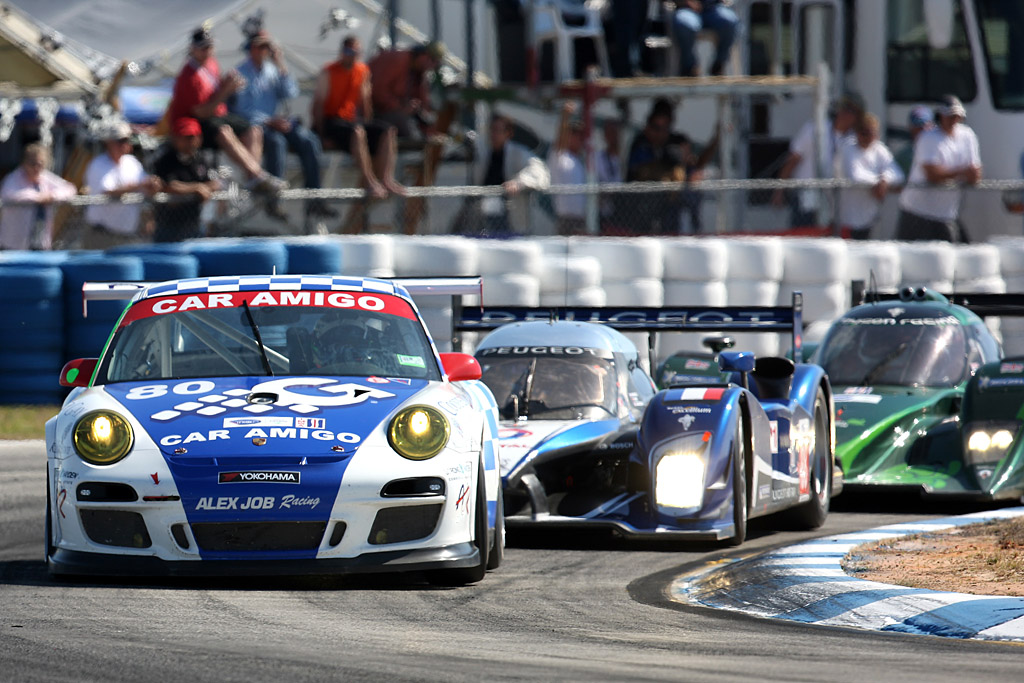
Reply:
x=338, y=337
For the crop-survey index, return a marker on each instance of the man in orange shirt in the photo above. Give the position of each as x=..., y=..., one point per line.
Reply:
x=342, y=94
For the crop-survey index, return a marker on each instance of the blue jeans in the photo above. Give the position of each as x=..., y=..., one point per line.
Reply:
x=303, y=142
x=686, y=24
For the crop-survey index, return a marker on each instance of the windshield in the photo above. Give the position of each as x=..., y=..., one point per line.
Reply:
x=929, y=352
x=552, y=388
x=1002, y=33
x=269, y=333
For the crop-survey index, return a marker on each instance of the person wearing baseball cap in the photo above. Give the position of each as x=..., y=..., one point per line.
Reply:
x=920, y=119
x=114, y=173
x=201, y=93
x=188, y=176
x=946, y=158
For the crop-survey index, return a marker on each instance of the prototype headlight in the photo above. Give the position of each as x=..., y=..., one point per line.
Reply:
x=988, y=444
x=679, y=475
x=418, y=432
x=102, y=437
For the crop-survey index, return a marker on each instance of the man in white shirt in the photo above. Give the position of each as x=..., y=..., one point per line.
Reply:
x=567, y=168
x=801, y=164
x=867, y=161
x=115, y=173
x=945, y=158
x=512, y=166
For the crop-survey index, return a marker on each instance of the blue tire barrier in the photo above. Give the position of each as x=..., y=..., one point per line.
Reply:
x=86, y=339
x=147, y=249
x=24, y=315
x=314, y=258
x=160, y=267
x=18, y=339
x=34, y=258
x=31, y=387
x=22, y=280
x=33, y=398
x=32, y=361
x=245, y=257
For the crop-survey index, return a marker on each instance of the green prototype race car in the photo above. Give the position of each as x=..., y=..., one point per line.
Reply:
x=923, y=399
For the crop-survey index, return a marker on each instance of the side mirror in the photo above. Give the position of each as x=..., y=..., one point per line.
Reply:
x=78, y=373
x=736, y=361
x=460, y=366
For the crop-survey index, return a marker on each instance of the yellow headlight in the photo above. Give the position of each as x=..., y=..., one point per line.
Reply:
x=418, y=432
x=102, y=437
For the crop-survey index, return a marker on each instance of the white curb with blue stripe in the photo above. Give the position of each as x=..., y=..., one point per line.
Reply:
x=806, y=583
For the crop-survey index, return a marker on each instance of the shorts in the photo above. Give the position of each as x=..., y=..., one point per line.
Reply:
x=212, y=125
x=340, y=132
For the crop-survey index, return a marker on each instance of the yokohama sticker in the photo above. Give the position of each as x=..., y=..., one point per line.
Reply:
x=258, y=477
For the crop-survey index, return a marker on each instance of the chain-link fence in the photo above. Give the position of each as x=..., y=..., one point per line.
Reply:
x=713, y=207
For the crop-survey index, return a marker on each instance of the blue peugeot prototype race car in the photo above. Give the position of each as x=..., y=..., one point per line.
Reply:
x=274, y=425
x=586, y=442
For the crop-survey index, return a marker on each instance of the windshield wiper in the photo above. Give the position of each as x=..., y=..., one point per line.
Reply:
x=259, y=339
x=890, y=357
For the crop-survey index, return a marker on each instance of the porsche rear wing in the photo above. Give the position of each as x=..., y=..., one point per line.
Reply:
x=455, y=287
x=650, y=319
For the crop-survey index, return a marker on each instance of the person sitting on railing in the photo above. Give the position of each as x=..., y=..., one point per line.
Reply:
x=693, y=16
x=115, y=173
x=30, y=226
x=401, y=92
x=201, y=93
x=343, y=95
x=655, y=156
x=187, y=175
x=268, y=85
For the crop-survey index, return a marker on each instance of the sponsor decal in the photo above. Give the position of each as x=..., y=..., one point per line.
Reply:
x=690, y=409
x=784, y=494
x=943, y=321
x=378, y=380
x=156, y=478
x=694, y=394
x=258, y=477
x=461, y=502
x=989, y=382
x=686, y=421
x=543, y=351
x=460, y=472
x=411, y=361
x=400, y=380
x=857, y=390
x=858, y=398
x=230, y=422
x=255, y=502
x=454, y=405
x=897, y=312
x=617, y=446
x=259, y=433
x=773, y=436
x=696, y=364
x=67, y=474
x=764, y=491
x=62, y=496
x=1014, y=368
x=310, y=422
x=376, y=302
x=513, y=433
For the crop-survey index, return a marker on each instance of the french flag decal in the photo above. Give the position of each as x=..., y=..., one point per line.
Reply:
x=695, y=394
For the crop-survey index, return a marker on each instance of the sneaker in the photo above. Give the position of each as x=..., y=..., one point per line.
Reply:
x=267, y=184
x=318, y=207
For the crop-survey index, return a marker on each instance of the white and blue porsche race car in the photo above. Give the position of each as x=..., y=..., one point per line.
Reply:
x=274, y=425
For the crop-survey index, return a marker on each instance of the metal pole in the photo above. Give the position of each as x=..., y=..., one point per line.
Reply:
x=435, y=20
x=393, y=10
x=590, y=159
x=470, y=82
x=777, y=39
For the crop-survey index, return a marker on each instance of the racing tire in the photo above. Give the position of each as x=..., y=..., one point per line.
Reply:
x=740, y=499
x=812, y=514
x=497, y=552
x=481, y=539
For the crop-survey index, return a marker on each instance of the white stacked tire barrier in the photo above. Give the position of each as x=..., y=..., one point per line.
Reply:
x=876, y=263
x=571, y=281
x=753, y=279
x=367, y=255
x=927, y=264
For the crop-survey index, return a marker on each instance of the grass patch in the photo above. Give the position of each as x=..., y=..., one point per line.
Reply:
x=25, y=422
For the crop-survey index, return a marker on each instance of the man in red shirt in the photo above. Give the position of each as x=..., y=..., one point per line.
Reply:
x=401, y=94
x=342, y=93
x=201, y=93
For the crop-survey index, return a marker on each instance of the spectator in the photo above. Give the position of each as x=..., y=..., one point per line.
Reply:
x=693, y=16
x=609, y=170
x=187, y=176
x=567, y=168
x=114, y=173
x=655, y=156
x=801, y=163
x=946, y=156
x=401, y=94
x=628, y=18
x=870, y=162
x=268, y=85
x=201, y=93
x=512, y=166
x=30, y=226
x=921, y=118
x=343, y=91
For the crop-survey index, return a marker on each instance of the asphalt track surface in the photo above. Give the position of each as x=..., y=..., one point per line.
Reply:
x=562, y=608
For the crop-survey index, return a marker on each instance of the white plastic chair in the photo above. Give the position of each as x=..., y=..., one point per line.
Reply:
x=547, y=23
